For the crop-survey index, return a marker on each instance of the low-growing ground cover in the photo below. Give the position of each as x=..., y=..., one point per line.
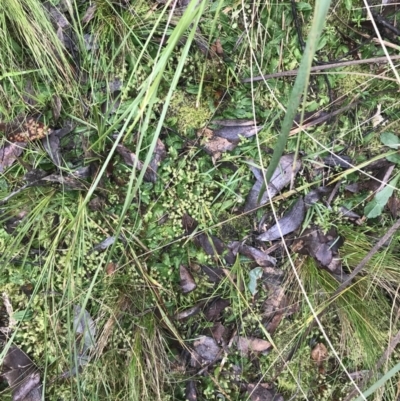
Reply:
x=143, y=254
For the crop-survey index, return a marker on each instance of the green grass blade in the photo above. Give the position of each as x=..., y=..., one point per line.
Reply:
x=379, y=383
x=301, y=83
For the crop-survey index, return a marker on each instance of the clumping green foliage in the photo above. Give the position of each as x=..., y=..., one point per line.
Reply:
x=185, y=114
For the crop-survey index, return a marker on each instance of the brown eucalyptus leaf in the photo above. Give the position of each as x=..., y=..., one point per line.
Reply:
x=187, y=282
x=290, y=222
x=282, y=176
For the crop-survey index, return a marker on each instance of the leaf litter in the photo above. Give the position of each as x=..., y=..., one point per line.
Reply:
x=288, y=167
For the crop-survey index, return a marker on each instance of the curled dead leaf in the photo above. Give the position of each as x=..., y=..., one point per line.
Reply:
x=288, y=167
x=319, y=354
x=247, y=345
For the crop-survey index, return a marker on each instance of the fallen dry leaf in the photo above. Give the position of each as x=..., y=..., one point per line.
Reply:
x=191, y=391
x=246, y=345
x=260, y=257
x=214, y=308
x=319, y=354
x=206, y=351
x=187, y=282
x=130, y=159
x=282, y=176
x=226, y=138
x=216, y=48
x=9, y=154
x=263, y=392
x=22, y=376
x=290, y=222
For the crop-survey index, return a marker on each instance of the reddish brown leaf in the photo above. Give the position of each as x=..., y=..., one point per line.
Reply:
x=216, y=48
x=319, y=354
x=246, y=345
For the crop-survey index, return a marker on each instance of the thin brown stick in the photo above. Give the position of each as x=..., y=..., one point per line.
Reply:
x=317, y=68
x=368, y=257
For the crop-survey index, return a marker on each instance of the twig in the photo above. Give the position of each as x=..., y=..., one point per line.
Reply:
x=385, y=356
x=322, y=119
x=291, y=73
x=367, y=257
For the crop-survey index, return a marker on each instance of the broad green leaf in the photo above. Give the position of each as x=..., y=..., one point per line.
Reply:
x=254, y=275
x=23, y=315
x=348, y=4
x=375, y=207
x=390, y=139
x=302, y=6
x=395, y=158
